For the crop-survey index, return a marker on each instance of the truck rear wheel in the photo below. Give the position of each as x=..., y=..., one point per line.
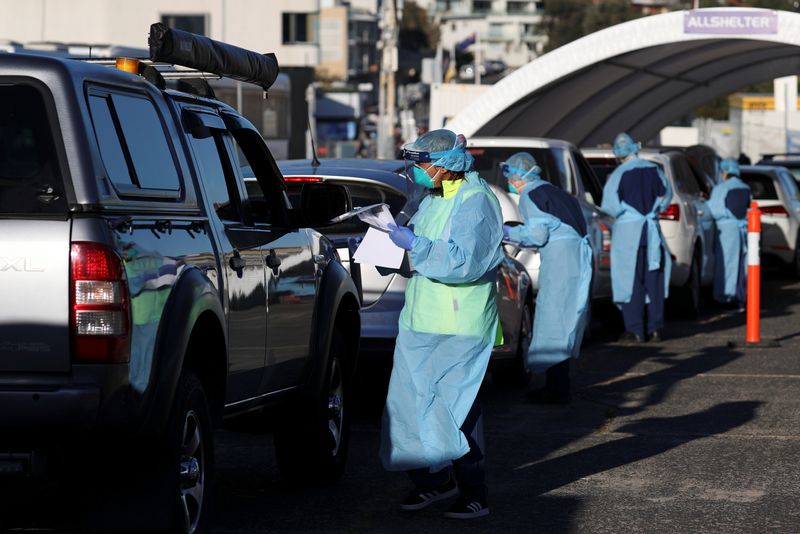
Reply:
x=311, y=444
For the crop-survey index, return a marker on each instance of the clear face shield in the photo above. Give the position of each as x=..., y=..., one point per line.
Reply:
x=518, y=178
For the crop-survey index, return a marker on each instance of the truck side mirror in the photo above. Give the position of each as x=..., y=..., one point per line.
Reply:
x=321, y=202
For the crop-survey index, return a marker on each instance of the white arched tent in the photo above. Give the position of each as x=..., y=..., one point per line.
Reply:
x=638, y=76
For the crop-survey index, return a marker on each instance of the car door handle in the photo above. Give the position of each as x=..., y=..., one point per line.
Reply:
x=236, y=262
x=273, y=261
x=700, y=212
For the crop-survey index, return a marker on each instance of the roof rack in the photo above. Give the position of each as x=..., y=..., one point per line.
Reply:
x=167, y=71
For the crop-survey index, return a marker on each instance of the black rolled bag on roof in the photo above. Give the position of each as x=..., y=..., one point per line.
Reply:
x=178, y=47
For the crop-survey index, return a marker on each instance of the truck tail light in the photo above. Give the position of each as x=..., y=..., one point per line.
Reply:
x=672, y=213
x=100, y=305
x=775, y=211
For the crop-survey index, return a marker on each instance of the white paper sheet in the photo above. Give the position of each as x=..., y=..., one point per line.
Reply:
x=377, y=249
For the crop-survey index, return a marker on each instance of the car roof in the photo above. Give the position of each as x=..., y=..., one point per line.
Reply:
x=518, y=142
x=772, y=170
x=386, y=171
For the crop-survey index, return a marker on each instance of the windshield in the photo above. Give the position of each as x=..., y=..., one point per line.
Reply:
x=488, y=160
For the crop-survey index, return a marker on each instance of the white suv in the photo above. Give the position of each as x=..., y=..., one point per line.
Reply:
x=687, y=225
x=564, y=166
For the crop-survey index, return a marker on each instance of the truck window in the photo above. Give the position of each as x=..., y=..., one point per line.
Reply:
x=132, y=141
x=28, y=162
x=219, y=187
x=256, y=168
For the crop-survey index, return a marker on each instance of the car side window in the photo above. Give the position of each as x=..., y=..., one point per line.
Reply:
x=133, y=144
x=592, y=189
x=685, y=180
x=256, y=168
x=565, y=170
x=219, y=186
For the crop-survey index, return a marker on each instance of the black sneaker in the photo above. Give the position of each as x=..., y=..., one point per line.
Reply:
x=629, y=338
x=467, y=509
x=420, y=498
x=546, y=395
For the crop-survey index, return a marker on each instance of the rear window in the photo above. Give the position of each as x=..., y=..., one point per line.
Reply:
x=133, y=145
x=30, y=176
x=762, y=186
x=488, y=160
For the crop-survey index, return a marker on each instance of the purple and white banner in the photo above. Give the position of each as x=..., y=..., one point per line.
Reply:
x=738, y=22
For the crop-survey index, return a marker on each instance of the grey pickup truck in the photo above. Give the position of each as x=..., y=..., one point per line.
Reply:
x=145, y=299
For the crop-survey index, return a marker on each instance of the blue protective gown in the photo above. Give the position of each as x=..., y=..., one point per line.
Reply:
x=728, y=204
x=630, y=228
x=448, y=326
x=565, y=274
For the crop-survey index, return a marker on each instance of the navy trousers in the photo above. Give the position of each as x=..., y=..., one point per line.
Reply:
x=469, y=470
x=645, y=284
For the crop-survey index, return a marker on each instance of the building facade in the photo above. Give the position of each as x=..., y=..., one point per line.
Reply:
x=287, y=27
x=503, y=30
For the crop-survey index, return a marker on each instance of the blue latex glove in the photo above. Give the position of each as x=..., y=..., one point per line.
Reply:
x=506, y=230
x=403, y=236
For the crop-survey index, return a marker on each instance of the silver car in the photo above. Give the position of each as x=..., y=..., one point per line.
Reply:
x=775, y=191
x=687, y=225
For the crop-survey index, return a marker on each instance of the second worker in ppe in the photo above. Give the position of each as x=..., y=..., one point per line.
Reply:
x=728, y=204
x=555, y=223
x=448, y=327
x=635, y=193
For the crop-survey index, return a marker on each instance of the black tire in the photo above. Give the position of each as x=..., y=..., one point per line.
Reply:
x=190, y=445
x=154, y=493
x=311, y=444
x=515, y=372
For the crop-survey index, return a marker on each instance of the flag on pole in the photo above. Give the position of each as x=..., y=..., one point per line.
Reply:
x=466, y=43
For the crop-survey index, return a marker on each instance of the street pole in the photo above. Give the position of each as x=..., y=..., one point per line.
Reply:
x=386, y=92
x=476, y=59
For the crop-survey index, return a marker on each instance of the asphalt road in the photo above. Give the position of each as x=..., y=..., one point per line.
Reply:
x=688, y=435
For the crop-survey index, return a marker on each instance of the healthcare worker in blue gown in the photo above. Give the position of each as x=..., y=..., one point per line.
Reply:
x=728, y=204
x=432, y=424
x=555, y=224
x=635, y=193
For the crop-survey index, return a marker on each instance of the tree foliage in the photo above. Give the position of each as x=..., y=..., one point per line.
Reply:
x=417, y=31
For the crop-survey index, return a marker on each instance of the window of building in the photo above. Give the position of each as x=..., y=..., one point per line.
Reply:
x=299, y=28
x=481, y=6
x=190, y=23
x=518, y=7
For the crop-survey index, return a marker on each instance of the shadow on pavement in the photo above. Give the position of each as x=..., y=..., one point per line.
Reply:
x=647, y=441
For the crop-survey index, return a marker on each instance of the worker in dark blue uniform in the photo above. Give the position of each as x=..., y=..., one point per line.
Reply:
x=635, y=193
